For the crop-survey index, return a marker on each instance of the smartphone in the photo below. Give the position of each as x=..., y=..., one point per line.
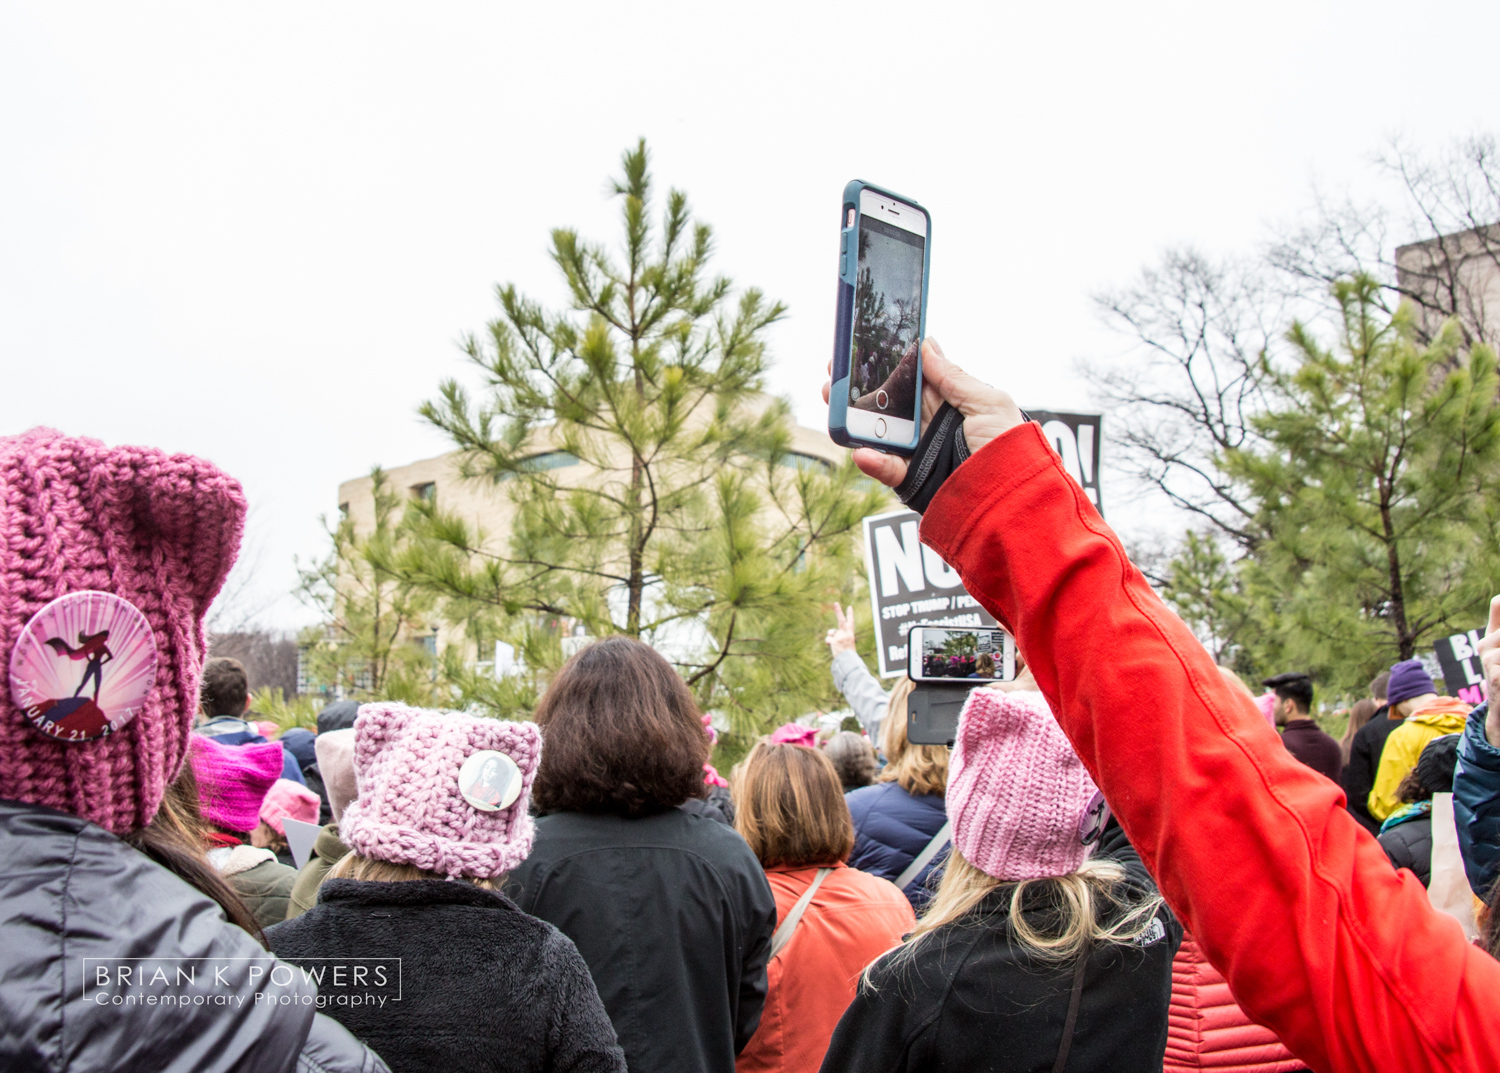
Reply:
x=884, y=247
x=953, y=656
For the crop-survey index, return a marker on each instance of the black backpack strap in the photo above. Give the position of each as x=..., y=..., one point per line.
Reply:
x=1073, y=1000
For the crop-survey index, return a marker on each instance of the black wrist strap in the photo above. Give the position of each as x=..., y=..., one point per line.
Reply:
x=941, y=451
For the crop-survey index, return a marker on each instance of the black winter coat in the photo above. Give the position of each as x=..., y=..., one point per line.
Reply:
x=482, y=986
x=971, y=999
x=85, y=922
x=1409, y=845
x=674, y=916
x=1364, y=761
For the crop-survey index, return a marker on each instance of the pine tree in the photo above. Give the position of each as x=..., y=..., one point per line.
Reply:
x=654, y=488
x=1376, y=483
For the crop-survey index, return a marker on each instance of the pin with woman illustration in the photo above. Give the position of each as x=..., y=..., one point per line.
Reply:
x=116, y=648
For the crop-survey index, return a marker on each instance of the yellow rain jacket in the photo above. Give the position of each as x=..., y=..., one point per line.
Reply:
x=1403, y=748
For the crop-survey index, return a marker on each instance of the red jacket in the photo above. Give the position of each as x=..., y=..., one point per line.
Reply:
x=1320, y=938
x=852, y=919
x=1206, y=1029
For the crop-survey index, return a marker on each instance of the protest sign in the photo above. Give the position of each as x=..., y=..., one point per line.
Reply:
x=1458, y=656
x=910, y=585
x=1078, y=439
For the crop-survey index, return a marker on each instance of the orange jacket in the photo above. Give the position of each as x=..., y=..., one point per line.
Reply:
x=852, y=919
x=1321, y=940
x=1206, y=1029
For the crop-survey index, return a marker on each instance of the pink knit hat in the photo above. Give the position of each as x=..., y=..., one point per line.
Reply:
x=1017, y=793
x=233, y=780
x=156, y=530
x=1266, y=702
x=795, y=734
x=287, y=798
x=445, y=792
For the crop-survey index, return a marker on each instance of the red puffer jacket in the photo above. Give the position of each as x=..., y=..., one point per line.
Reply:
x=1320, y=938
x=1206, y=1029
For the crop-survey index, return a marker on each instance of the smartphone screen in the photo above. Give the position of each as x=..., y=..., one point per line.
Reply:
x=938, y=654
x=883, y=359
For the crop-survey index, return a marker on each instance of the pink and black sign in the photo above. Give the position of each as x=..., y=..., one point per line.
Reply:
x=83, y=666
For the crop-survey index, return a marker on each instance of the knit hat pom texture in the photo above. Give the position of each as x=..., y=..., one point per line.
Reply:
x=410, y=810
x=1016, y=789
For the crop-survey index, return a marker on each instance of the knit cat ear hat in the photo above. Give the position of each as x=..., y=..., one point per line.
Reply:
x=445, y=792
x=1017, y=793
x=157, y=530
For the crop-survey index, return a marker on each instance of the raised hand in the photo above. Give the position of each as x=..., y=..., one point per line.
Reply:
x=841, y=637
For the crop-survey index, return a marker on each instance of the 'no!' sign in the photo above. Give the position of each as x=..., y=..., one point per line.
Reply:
x=910, y=585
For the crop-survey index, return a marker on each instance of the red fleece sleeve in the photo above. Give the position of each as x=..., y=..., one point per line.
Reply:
x=1289, y=897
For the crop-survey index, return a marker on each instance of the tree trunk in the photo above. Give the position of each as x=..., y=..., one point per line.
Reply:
x=1404, y=642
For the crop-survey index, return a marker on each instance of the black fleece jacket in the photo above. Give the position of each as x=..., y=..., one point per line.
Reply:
x=480, y=985
x=971, y=998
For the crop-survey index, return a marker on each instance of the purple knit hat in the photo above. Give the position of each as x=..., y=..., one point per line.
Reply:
x=1408, y=679
x=445, y=792
x=1017, y=793
x=233, y=780
x=158, y=531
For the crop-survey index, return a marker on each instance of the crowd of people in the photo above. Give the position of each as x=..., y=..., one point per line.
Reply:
x=1119, y=865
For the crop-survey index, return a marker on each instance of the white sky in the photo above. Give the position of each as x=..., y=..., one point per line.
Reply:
x=256, y=232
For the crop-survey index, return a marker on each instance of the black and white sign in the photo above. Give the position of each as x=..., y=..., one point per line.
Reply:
x=910, y=585
x=1078, y=439
x=1459, y=658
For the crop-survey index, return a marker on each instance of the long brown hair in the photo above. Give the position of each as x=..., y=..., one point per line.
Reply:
x=789, y=807
x=917, y=769
x=1359, y=715
x=621, y=733
x=174, y=840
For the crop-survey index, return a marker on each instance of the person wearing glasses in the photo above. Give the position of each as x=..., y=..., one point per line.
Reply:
x=1046, y=944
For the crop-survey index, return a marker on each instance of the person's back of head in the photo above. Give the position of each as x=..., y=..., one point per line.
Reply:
x=225, y=689
x=441, y=796
x=853, y=759
x=917, y=769
x=623, y=734
x=339, y=715
x=1409, y=687
x=1434, y=771
x=1378, y=687
x=789, y=807
x=1293, y=686
x=1359, y=715
x=1026, y=815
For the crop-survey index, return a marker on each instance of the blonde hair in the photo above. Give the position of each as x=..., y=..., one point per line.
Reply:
x=917, y=769
x=366, y=869
x=789, y=806
x=1083, y=901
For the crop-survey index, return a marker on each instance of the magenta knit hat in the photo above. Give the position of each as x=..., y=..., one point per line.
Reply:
x=289, y=799
x=157, y=531
x=445, y=792
x=1017, y=793
x=233, y=780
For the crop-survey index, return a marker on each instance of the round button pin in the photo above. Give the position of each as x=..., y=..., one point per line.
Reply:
x=83, y=666
x=489, y=780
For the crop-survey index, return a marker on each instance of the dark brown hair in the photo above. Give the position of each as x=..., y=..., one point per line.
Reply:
x=225, y=689
x=790, y=808
x=621, y=733
x=174, y=840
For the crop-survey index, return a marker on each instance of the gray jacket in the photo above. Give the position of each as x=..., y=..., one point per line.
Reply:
x=86, y=922
x=860, y=688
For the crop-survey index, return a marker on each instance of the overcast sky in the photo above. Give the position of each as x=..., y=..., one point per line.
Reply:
x=257, y=232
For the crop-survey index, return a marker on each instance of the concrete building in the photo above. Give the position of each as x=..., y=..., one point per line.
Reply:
x=1458, y=273
x=484, y=503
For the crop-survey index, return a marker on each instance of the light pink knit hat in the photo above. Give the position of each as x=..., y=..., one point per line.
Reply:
x=1017, y=792
x=411, y=808
x=157, y=530
x=289, y=799
x=233, y=780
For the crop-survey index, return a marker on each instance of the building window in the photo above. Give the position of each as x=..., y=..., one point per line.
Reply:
x=545, y=460
x=425, y=492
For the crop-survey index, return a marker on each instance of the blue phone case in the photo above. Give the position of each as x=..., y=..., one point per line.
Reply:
x=843, y=340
